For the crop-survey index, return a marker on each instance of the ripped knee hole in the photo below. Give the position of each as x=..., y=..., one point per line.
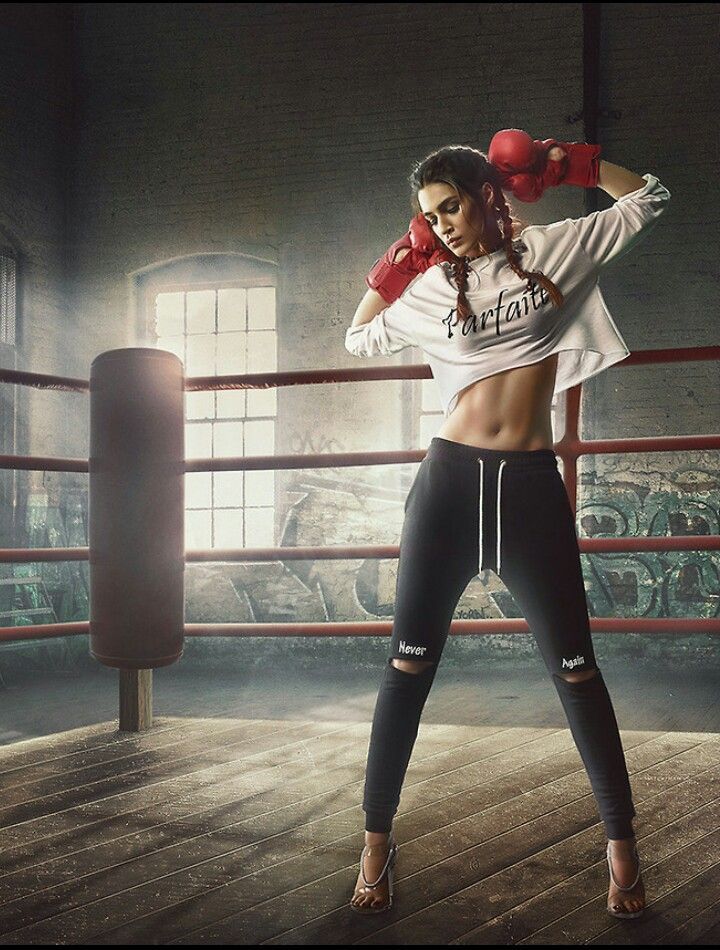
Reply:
x=578, y=677
x=410, y=666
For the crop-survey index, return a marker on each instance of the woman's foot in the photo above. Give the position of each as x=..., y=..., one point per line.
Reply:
x=377, y=847
x=625, y=865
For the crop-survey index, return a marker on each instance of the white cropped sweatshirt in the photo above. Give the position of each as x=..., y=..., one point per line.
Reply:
x=510, y=326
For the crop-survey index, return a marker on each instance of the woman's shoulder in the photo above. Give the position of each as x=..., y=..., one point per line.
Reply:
x=539, y=239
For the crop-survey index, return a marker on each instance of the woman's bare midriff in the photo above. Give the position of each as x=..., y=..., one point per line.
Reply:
x=510, y=410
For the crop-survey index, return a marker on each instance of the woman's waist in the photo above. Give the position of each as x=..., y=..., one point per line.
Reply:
x=441, y=447
x=494, y=440
x=525, y=435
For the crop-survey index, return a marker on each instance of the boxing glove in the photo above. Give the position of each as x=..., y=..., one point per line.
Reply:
x=526, y=169
x=390, y=277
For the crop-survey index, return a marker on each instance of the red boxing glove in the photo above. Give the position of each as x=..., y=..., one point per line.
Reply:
x=390, y=277
x=527, y=171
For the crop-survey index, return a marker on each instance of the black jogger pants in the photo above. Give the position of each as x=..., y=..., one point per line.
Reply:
x=472, y=509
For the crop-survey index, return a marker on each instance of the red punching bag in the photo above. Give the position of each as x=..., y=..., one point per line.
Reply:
x=136, y=508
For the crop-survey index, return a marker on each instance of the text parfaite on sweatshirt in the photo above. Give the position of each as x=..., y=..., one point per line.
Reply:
x=510, y=326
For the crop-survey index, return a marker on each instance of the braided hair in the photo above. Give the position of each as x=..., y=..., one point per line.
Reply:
x=467, y=169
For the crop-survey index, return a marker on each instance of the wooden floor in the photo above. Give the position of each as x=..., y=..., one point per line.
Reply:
x=248, y=829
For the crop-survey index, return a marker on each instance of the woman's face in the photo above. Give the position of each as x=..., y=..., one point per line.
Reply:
x=465, y=234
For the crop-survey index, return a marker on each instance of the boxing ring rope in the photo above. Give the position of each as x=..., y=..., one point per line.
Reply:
x=570, y=448
x=135, y=671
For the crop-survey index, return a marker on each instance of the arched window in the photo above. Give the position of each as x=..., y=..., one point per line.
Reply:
x=218, y=314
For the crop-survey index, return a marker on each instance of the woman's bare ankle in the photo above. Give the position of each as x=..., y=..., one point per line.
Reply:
x=374, y=838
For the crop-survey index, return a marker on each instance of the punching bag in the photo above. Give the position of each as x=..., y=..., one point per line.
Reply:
x=136, y=508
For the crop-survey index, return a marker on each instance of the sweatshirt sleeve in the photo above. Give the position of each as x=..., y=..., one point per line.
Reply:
x=388, y=332
x=607, y=235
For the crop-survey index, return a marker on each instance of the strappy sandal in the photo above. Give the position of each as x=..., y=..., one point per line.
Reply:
x=387, y=869
x=617, y=913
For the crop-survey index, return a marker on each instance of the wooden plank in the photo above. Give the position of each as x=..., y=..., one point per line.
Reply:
x=532, y=804
x=114, y=747
x=703, y=928
x=667, y=915
x=39, y=749
x=254, y=782
x=111, y=776
x=277, y=839
x=341, y=752
x=106, y=789
x=577, y=903
x=442, y=895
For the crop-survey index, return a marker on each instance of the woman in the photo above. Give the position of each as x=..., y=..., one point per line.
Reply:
x=484, y=305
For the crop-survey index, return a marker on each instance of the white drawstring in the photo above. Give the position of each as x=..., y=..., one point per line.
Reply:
x=480, y=532
x=480, y=513
x=500, y=470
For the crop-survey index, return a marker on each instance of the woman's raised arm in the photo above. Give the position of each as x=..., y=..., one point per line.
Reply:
x=613, y=179
x=372, y=303
x=618, y=181
x=378, y=328
x=369, y=307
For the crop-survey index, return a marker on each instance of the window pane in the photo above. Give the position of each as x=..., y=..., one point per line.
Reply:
x=201, y=311
x=259, y=488
x=201, y=355
x=169, y=314
x=261, y=308
x=259, y=527
x=198, y=440
x=199, y=405
x=262, y=352
x=232, y=304
x=228, y=438
x=197, y=529
x=231, y=359
x=430, y=399
x=429, y=426
x=231, y=403
x=174, y=344
x=260, y=437
x=558, y=417
x=262, y=402
x=228, y=488
x=197, y=490
x=228, y=528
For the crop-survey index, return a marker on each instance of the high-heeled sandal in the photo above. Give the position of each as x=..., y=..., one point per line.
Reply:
x=618, y=913
x=387, y=869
